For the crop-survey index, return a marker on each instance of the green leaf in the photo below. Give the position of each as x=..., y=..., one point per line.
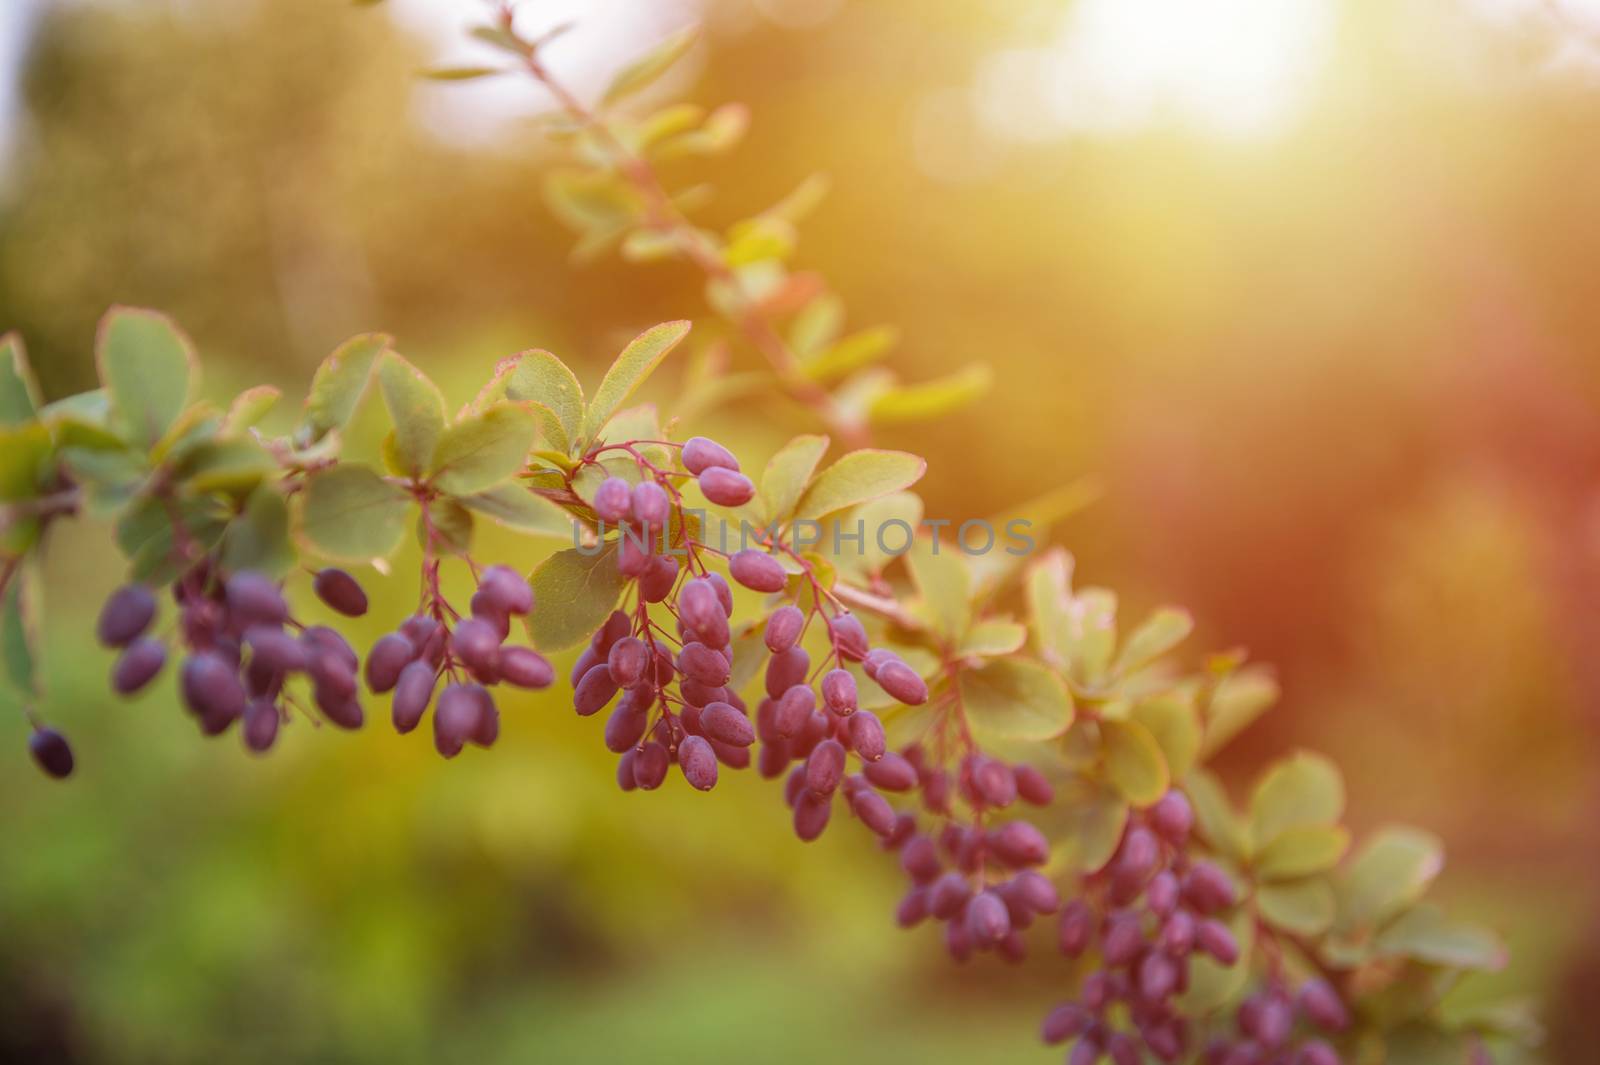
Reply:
x=992, y=638
x=817, y=325
x=857, y=478
x=1426, y=934
x=147, y=367
x=755, y=239
x=234, y=466
x=515, y=507
x=19, y=620
x=145, y=533
x=248, y=408
x=944, y=585
x=25, y=455
x=1163, y=630
x=1134, y=763
x=1239, y=699
x=931, y=399
x=1303, y=789
x=1014, y=699
x=483, y=450
x=887, y=526
x=258, y=539
x=338, y=384
x=787, y=474
x=1084, y=824
x=417, y=410
x=647, y=68
x=1388, y=874
x=449, y=521
x=636, y=363
x=1303, y=907
x=19, y=391
x=575, y=592
x=1214, y=814
x=601, y=205
x=348, y=512
x=1301, y=851
x=540, y=378
x=1025, y=526
x=469, y=73
x=852, y=353
x=1172, y=721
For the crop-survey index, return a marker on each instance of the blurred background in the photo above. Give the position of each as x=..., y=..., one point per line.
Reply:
x=1309, y=284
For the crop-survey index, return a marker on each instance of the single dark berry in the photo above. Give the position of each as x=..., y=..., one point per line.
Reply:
x=254, y=598
x=340, y=591
x=698, y=762
x=51, y=752
x=723, y=723
x=613, y=500
x=524, y=667
x=758, y=571
x=650, y=504
x=260, y=725
x=390, y=655
x=412, y=693
x=507, y=590
x=138, y=665
x=701, y=454
x=126, y=615
x=725, y=487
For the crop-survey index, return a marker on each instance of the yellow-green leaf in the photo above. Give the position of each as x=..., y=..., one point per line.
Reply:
x=851, y=353
x=539, y=377
x=945, y=586
x=1301, y=851
x=1163, y=630
x=339, y=383
x=635, y=364
x=1303, y=907
x=350, y=513
x=858, y=477
x=1239, y=699
x=1172, y=720
x=1303, y=789
x=1134, y=763
x=787, y=474
x=19, y=391
x=993, y=637
x=147, y=367
x=515, y=507
x=483, y=450
x=1426, y=934
x=417, y=410
x=258, y=539
x=1389, y=873
x=1214, y=814
x=887, y=526
x=647, y=68
x=1014, y=699
x=931, y=399
x=575, y=592
x=248, y=408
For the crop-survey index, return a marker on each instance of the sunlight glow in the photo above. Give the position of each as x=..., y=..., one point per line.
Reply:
x=1234, y=67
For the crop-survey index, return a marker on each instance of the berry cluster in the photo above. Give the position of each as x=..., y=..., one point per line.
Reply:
x=981, y=879
x=1148, y=911
x=470, y=651
x=243, y=646
x=1267, y=1023
x=677, y=707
